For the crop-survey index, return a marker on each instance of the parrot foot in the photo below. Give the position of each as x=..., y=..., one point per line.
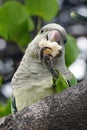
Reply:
x=47, y=59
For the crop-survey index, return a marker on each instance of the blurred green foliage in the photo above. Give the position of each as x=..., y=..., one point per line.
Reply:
x=71, y=50
x=43, y=8
x=5, y=109
x=16, y=21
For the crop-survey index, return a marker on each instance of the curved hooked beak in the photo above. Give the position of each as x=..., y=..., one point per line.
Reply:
x=54, y=35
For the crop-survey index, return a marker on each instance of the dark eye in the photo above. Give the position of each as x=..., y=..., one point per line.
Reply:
x=65, y=41
x=41, y=31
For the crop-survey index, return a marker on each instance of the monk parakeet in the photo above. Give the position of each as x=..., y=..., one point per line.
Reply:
x=42, y=71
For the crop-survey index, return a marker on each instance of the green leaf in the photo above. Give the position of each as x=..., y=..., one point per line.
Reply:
x=21, y=36
x=5, y=109
x=12, y=13
x=71, y=50
x=43, y=8
x=31, y=25
x=15, y=22
x=3, y=30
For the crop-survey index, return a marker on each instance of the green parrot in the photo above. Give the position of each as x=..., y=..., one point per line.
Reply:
x=42, y=71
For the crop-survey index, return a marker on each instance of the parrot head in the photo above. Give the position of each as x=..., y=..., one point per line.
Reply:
x=54, y=38
x=54, y=32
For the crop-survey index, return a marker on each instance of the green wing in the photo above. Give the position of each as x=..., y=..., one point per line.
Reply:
x=73, y=81
x=60, y=83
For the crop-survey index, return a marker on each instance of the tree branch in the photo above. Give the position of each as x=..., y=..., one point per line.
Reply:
x=63, y=111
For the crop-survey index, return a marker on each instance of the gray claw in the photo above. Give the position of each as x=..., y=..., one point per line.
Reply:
x=42, y=52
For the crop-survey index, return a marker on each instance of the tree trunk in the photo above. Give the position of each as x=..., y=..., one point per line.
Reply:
x=64, y=111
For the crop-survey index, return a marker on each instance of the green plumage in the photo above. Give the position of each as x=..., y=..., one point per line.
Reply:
x=60, y=83
x=73, y=81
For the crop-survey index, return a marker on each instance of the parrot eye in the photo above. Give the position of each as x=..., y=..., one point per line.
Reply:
x=41, y=31
x=65, y=41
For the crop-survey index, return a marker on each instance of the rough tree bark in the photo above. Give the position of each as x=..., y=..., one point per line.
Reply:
x=63, y=111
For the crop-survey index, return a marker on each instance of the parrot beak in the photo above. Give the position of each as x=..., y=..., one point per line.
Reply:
x=54, y=35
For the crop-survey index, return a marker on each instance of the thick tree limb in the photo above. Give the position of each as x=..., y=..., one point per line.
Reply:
x=64, y=111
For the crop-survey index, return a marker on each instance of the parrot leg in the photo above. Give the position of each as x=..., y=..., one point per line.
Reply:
x=48, y=61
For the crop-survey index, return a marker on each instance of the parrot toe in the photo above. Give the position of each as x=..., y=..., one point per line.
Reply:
x=45, y=52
